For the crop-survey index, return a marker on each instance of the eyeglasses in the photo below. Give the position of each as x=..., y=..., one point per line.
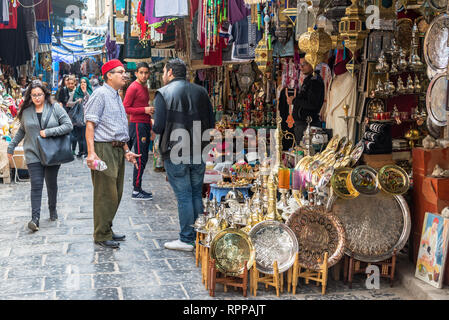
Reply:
x=37, y=95
x=121, y=72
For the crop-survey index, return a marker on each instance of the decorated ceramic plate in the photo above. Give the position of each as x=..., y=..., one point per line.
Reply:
x=317, y=232
x=231, y=248
x=436, y=51
x=273, y=241
x=357, y=152
x=375, y=226
x=338, y=183
x=326, y=178
x=363, y=179
x=393, y=180
x=333, y=143
x=436, y=99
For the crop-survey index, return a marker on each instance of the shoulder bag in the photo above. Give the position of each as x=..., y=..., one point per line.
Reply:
x=54, y=150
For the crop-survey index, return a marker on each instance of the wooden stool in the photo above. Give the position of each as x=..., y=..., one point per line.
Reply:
x=275, y=280
x=199, y=237
x=236, y=282
x=320, y=276
x=354, y=266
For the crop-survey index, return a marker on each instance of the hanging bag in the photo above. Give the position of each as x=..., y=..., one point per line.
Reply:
x=54, y=150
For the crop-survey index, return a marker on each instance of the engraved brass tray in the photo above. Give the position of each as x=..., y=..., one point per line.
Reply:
x=393, y=180
x=317, y=232
x=231, y=248
x=357, y=152
x=375, y=225
x=338, y=183
x=436, y=99
x=272, y=241
x=436, y=51
x=362, y=180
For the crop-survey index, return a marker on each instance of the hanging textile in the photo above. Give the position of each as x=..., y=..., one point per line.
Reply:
x=150, y=17
x=16, y=52
x=176, y=8
x=4, y=12
x=44, y=31
x=12, y=17
x=43, y=9
x=246, y=37
x=237, y=10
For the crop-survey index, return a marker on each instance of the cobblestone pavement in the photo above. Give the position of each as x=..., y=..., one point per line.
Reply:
x=60, y=261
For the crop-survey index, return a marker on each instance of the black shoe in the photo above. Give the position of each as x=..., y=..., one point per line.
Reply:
x=53, y=216
x=118, y=237
x=33, y=225
x=108, y=244
x=149, y=194
x=79, y=155
x=141, y=196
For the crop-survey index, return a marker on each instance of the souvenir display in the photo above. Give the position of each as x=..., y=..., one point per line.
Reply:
x=273, y=241
x=436, y=51
x=317, y=232
x=375, y=225
x=393, y=180
x=437, y=100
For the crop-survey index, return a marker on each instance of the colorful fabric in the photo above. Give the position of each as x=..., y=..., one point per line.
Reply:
x=44, y=31
x=43, y=9
x=12, y=24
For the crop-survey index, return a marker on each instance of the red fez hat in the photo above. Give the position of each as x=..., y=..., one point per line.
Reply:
x=108, y=66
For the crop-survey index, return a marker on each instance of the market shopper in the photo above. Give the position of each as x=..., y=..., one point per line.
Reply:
x=136, y=104
x=178, y=104
x=107, y=137
x=308, y=100
x=37, y=106
x=81, y=96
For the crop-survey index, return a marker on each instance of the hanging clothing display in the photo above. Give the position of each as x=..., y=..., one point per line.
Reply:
x=237, y=10
x=44, y=31
x=12, y=18
x=290, y=74
x=16, y=52
x=245, y=37
x=342, y=91
x=4, y=11
x=177, y=8
x=43, y=9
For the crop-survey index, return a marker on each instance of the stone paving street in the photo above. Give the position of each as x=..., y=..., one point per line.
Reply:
x=60, y=261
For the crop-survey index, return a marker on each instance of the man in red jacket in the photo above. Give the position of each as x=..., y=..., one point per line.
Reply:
x=137, y=106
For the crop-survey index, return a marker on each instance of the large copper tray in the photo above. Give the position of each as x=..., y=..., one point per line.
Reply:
x=436, y=99
x=231, y=248
x=317, y=232
x=273, y=241
x=436, y=51
x=375, y=225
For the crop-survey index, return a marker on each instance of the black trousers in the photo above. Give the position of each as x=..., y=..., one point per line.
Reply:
x=80, y=133
x=73, y=139
x=38, y=173
x=140, y=138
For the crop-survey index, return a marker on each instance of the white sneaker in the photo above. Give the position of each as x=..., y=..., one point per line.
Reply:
x=178, y=245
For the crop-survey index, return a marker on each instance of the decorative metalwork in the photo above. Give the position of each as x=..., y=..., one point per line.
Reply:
x=317, y=232
x=436, y=51
x=437, y=99
x=362, y=180
x=316, y=44
x=231, y=248
x=375, y=225
x=393, y=180
x=338, y=183
x=273, y=241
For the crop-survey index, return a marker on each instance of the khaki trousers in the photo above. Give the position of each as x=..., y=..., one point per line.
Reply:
x=108, y=189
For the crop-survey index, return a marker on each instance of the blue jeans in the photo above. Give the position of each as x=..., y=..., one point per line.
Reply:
x=186, y=181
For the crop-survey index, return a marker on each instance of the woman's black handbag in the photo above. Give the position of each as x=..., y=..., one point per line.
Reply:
x=76, y=114
x=54, y=150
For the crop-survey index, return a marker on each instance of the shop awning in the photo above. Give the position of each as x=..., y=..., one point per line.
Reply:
x=92, y=31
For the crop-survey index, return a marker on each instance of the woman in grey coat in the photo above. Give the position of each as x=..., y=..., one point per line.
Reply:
x=37, y=105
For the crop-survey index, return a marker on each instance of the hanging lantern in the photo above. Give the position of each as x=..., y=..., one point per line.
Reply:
x=316, y=44
x=290, y=11
x=264, y=56
x=353, y=30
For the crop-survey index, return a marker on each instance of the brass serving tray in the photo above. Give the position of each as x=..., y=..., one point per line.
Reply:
x=231, y=248
x=436, y=51
x=317, y=232
x=338, y=183
x=436, y=99
x=393, y=180
x=375, y=225
x=273, y=241
x=362, y=180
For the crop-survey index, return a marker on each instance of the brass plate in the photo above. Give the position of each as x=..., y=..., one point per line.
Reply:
x=364, y=180
x=436, y=99
x=317, y=232
x=436, y=51
x=231, y=248
x=374, y=225
x=393, y=180
x=438, y=5
x=272, y=241
x=338, y=183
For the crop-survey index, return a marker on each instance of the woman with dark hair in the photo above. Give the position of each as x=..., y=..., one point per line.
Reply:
x=36, y=108
x=81, y=95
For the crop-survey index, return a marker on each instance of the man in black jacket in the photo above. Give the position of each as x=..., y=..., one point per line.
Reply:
x=308, y=101
x=183, y=113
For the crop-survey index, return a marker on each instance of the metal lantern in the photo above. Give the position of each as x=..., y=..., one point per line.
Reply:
x=316, y=44
x=353, y=30
x=290, y=11
x=264, y=56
